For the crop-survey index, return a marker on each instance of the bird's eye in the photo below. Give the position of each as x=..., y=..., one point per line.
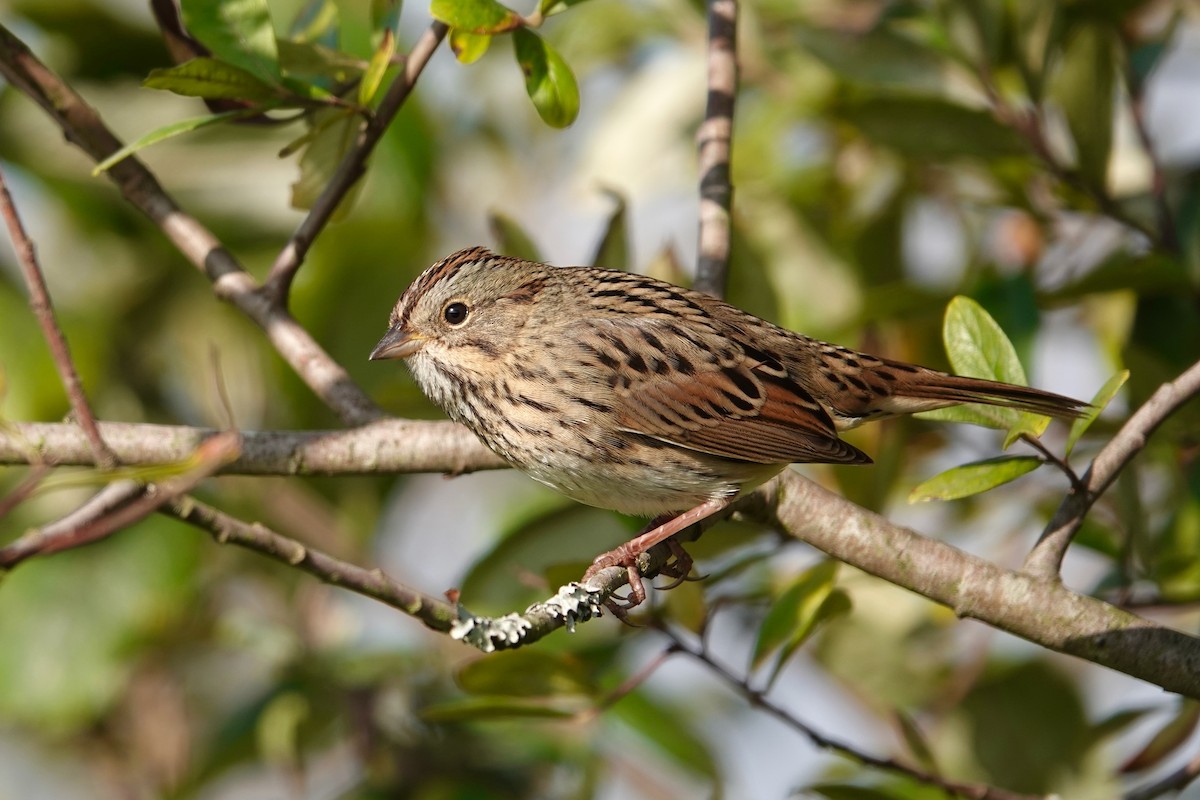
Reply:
x=455, y=313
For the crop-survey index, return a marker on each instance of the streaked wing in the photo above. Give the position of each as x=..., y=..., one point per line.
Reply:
x=702, y=391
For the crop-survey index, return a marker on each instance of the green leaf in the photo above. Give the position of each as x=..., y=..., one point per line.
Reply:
x=977, y=347
x=1103, y=397
x=476, y=16
x=337, y=130
x=612, y=251
x=380, y=61
x=316, y=61
x=385, y=16
x=511, y=238
x=548, y=80
x=167, y=131
x=1085, y=89
x=482, y=708
x=212, y=79
x=878, y=57
x=973, y=478
x=667, y=728
x=526, y=673
x=278, y=730
x=930, y=128
x=550, y=7
x=236, y=31
x=468, y=47
x=811, y=599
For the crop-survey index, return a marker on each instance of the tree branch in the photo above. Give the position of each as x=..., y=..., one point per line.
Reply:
x=287, y=264
x=83, y=127
x=1045, y=560
x=385, y=447
x=43, y=309
x=715, y=139
x=1041, y=611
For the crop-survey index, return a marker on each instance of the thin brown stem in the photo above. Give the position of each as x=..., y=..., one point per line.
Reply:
x=84, y=128
x=287, y=264
x=118, y=505
x=1174, y=782
x=1052, y=458
x=24, y=489
x=715, y=139
x=759, y=700
x=1045, y=560
x=43, y=309
x=225, y=529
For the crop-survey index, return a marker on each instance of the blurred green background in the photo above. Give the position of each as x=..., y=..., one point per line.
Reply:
x=873, y=184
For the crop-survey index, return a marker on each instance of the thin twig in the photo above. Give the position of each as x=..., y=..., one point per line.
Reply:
x=117, y=506
x=84, y=128
x=225, y=529
x=715, y=139
x=1174, y=782
x=43, y=309
x=1051, y=458
x=759, y=700
x=1045, y=559
x=352, y=167
x=25, y=488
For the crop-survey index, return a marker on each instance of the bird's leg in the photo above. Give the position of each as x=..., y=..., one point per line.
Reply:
x=626, y=555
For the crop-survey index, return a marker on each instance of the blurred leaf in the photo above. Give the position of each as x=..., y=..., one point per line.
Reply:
x=973, y=478
x=237, y=31
x=612, y=252
x=385, y=18
x=550, y=7
x=318, y=62
x=1100, y=402
x=167, y=131
x=1037, y=27
x=1025, y=727
x=528, y=672
x=1176, y=555
x=315, y=23
x=475, y=16
x=1169, y=738
x=380, y=61
x=811, y=600
x=278, y=729
x=1085, y=88
x=511, y=238
x=548, y=80
x=1118, y=722
x=930, y=128
x=878, y=57
x=668, y=729
x=468, y=47
x=335, y=132
x=488, y=708
x=98, y=604
x=210, y=79
x=916, y=742
x=1145, y=273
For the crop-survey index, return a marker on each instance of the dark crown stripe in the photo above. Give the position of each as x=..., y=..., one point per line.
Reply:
x=440, y=271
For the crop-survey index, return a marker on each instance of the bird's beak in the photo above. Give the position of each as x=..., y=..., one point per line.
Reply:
x=398, y=342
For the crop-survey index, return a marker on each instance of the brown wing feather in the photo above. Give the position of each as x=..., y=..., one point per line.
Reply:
x=717, y=400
